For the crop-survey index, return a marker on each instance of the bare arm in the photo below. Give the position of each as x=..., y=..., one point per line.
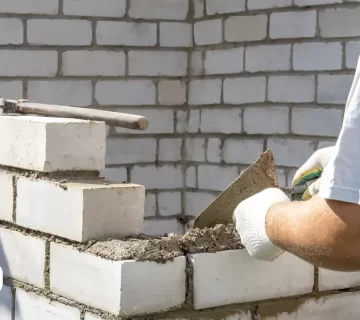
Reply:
x=323, y=232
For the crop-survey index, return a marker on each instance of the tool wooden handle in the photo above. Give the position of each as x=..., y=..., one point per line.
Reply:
x=116, y=119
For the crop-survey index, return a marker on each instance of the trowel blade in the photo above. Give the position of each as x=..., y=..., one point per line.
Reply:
x=259, y=176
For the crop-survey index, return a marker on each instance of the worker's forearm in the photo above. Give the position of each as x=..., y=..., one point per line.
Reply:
x=322, y=232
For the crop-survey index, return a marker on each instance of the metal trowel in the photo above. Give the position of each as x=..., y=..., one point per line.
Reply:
x=259, y=176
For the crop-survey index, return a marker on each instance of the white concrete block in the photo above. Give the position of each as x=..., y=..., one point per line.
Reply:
x=244, y=90
x=52, y=144
x=196, y=63
x=290, y=152
x=115, y=174
x=77, y=93
x=267, y=58
x=333, y=89
x=157, y=177
x=126, y=33
x=229, y=279
x=30, y=7
x=224, y=61
x=29, y=306
x=304, y=121
x=11, y=90
x=198, y=8
x=170, y=149
x=214, y=150
x=266, y=120
x=18, y=251
x=208, y=32
x=94, y=8
x=318, y=56
x=28, y=63
x=150, y=205
x=221, y=120
x=159, y=9
x=169, y=203
x=175, y=34
x=128, y=151
x=6, y=302
x=157, y=63
x=329, y=28
x=291, y=88
x=93, y=63
x=7, y=198
x=224, y=6
x=215, y=178
x=188, y=121
x=298, y=24
x=126, y=287
x=333, y=280
x=197, y=201
x=352, y=52
x=204, y=91
x=337, y=306
x=190, y=177
x=172, y=92
x=195, y=149
x=95, y=209
x=125, y=92
x=242, y=151
x=59, y=32
x=245, y=28
x=11, y=31
x=261, y=4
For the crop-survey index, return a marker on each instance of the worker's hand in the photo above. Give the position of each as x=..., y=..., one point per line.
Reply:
x=312, y=170
x=250, y=220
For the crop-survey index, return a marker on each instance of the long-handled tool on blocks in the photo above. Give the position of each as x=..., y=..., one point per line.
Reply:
x=115, y=119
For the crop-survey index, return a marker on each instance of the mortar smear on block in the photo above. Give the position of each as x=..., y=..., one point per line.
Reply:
x=167, y=248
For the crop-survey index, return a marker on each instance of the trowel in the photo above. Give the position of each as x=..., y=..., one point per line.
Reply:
x=259, y=176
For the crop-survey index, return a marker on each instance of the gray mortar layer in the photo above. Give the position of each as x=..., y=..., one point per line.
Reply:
x=148, y=248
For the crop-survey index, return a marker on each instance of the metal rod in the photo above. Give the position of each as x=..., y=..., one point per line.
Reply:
x=115, y=119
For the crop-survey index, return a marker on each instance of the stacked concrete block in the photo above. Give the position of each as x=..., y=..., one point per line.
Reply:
x=212, y=70
x=50, y=180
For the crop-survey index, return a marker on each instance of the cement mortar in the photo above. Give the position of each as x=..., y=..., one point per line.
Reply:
x=167, y=248
x=219, y=238
x=159, y=250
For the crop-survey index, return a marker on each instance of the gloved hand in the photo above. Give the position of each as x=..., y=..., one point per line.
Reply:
x=250, y=218
x=312, y=169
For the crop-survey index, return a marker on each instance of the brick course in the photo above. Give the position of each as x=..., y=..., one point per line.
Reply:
x=254, y=73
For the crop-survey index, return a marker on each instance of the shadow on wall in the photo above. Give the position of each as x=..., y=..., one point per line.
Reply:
x=7, y=296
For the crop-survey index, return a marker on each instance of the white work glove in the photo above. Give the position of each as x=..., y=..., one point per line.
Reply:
x=312, y=169
x=250, y=220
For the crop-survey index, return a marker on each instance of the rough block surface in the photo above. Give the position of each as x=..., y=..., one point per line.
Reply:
x=223, y=278
x=29, y=306
x=51, y=144
x=7, y=201
x=119, y=287
x=95, y=208
x=22, y=257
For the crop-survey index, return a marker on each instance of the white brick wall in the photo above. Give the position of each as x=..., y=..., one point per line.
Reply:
x=211, y=72
x=59, y=32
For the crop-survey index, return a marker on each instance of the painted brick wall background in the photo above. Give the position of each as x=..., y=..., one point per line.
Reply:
x=220, y=81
